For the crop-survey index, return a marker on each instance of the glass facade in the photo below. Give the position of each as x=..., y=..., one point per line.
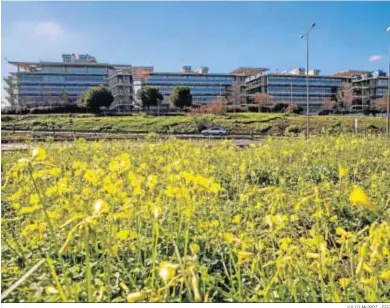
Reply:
x=371, y=86
x=204, y=88
x=301, y=80
x=56, y=80
x=291, y=88
x=74, y=70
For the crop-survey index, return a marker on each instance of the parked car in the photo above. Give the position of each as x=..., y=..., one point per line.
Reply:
x=324, y=112
x=214, y=131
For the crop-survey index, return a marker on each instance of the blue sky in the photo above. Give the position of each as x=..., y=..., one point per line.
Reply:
x=220, y=35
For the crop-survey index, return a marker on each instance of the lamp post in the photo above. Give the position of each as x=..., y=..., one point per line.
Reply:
x=306, y=35
x=388, y=92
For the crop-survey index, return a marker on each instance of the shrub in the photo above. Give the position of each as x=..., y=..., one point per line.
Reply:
x=292, y=129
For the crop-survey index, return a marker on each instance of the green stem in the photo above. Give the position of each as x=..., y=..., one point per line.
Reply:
x=88, y=266
x=42, y=203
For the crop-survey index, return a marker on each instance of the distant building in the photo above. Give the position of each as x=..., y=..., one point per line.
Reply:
x=370, y=86
x=248, y=71
x=45, y=83
x=290, y=87
x=205, y=87
x=121, y=87
x=349, y=73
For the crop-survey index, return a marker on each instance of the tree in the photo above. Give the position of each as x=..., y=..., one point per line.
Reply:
x=262, y=99
x=94, y=98
x=180, y=97
x=345, y=96
x=219, y=106
x=294, y=108
x=235, y=93
x=149, y=96
x=142, y=74
x=328, y=104
x=381, y=104
x=65, y=100
x=10, y=90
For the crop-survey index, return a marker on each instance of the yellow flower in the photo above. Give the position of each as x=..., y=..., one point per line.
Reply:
x=336, y=298
x=23, y=163
x=91, y=176
x=342, y=172
x=122, y=235
x=244, y=257
x=51, y=290
x=194, y=248
x=237, y=219
x=134, y=297
x=344, y=282
x=124, y=287
x=385, y=275
x=34, y=199
x=100, y=206
x=167, y=271
x=369, y=281
x=39, y=153
x=312, y=255
x=229, y=237
x=359, y=197
x=215, y=188
x=157, y=210
x=29, y=209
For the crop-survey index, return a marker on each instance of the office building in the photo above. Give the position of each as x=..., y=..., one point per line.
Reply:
x=290, y=87
x=205, y=87
x=47, y=83
x=369, y=87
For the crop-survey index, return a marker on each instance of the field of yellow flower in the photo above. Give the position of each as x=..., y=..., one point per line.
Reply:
x=179, y=221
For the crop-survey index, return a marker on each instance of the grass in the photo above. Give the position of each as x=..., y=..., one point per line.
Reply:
x=272, y=124
x=179, y=221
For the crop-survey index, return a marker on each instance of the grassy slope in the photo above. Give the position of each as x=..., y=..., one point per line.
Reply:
x=234, y=123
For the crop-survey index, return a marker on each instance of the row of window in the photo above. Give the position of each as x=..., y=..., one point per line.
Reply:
x=202, y=88
x=382, y=83
x=191, y=78
x=23, y=90
x=75, y=70
x=186, y=82
x=381, y=92
x=59, y=79
x=300, y=90
x=302, y=99
x=302, y=80
x=164, y=92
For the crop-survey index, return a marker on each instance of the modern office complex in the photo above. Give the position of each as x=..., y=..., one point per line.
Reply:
x=47, y=83
x=290, y=87
x=57, y=83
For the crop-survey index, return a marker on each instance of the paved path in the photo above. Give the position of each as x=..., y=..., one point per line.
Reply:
x=24, y=147
x=14, y=147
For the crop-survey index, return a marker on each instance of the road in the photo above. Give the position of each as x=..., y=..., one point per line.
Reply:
x=24, y=147
x=127, y=134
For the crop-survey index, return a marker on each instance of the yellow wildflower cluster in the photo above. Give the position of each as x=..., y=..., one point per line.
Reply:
x=173, y=220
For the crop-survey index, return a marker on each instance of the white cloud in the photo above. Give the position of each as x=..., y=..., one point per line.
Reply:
x=49, y=30
x=39, y=41
x=375, y=58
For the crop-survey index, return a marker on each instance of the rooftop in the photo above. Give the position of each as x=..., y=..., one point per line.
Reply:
x=349, y=73
x=248, y=71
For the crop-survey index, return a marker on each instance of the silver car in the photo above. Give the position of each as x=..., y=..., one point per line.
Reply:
x=214, y=131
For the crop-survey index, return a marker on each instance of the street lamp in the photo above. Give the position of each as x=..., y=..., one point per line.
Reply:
x=388, y=92
x=306, y=35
